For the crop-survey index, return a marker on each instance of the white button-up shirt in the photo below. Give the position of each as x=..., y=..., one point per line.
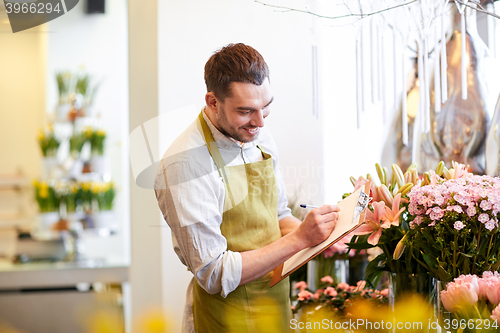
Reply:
x=191, y=193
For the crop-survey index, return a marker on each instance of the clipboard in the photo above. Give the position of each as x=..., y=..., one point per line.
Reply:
x=352, y=215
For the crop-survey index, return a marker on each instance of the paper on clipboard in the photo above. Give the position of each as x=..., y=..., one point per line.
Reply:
x=351, y=216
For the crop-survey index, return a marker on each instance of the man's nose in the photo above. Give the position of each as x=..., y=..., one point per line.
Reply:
x=257, y=119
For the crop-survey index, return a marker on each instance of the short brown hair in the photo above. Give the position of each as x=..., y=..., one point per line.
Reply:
x=234, y=63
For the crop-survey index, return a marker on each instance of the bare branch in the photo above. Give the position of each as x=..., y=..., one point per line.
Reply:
x=336, y=17
x=479, y=8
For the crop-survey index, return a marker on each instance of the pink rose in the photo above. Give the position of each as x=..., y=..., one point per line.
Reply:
x=302, y=285
x=327, y=279
x=305, y=295
x=330, y=291
x=360, y=285
x=459, y=294
x=495, y=314
x=491, y=275
x=317, y=294
x=472, y=281
x=384, y=292
x=343, y=286
x=493, y=291
x=448, y=302
x=482, y=288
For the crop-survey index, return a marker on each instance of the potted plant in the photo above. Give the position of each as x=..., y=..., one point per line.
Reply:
x=49, y=145
x=103, y=195
x=48, y=204
x=63, y=80
x=97, y=139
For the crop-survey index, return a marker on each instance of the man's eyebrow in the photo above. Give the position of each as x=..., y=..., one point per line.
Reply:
x=247, y=108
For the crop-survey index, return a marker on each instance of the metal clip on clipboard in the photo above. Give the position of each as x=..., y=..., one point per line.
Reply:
x=363, y=201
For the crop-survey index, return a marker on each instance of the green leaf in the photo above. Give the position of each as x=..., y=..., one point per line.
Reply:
x=429, y=260
x=359, y=245
x=496, y=266
x=484, y=243
x=374, y=270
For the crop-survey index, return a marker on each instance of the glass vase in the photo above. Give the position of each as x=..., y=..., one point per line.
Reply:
x=403, y=284
x=440, y=314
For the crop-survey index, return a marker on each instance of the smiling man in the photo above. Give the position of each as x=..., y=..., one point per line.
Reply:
x=220, y=191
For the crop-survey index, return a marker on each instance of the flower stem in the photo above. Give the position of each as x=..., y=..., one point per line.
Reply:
x=455, y=256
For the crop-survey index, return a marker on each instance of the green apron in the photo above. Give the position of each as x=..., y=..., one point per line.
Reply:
x=249, y=222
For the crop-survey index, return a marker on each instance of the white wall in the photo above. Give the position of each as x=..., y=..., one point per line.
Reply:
x=98, y=42
x=349, y=150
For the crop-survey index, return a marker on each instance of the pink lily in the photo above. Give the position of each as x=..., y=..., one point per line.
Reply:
x=373, y=188
x=372, y=223
x=392, y=215
x=434, y=178
x=460, y=170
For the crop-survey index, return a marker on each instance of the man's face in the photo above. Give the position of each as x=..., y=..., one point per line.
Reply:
x=242, y=114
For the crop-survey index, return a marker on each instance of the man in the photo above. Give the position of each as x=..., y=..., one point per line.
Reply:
x=220, y=191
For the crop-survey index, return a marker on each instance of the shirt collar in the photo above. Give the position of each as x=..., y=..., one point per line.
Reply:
x=223, y=140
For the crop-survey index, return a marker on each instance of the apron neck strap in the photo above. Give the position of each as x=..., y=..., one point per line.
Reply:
x=212, y=146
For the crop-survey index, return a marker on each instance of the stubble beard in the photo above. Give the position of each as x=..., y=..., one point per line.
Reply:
x=227, y=130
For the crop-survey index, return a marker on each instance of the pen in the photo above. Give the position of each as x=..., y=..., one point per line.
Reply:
x=308, y=206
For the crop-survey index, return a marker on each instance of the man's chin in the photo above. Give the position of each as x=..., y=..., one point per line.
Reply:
x=248, y=138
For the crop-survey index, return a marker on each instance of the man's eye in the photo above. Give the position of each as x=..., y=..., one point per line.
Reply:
x=244, y=112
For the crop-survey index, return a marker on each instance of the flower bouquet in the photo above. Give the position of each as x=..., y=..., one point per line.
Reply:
x=454, y=222
x=387, y=223
x=474, y=303
x=336, y=298
x=344, y=308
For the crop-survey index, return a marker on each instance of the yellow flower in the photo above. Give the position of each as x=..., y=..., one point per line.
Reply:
x=85, y=186
x=153, y=321
x=88, y=132
x=74, y=188
x=95, y=188
x=100, y=132
x=34, y=182
x=41, y=135
x=43, y=190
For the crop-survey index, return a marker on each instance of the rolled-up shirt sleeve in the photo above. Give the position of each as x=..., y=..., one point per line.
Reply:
x=191, y=198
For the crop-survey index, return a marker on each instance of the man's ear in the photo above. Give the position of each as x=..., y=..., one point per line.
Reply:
x=211, y=101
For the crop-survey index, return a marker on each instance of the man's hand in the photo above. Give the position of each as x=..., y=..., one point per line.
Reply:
x=315, y=228
x=318, y=225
